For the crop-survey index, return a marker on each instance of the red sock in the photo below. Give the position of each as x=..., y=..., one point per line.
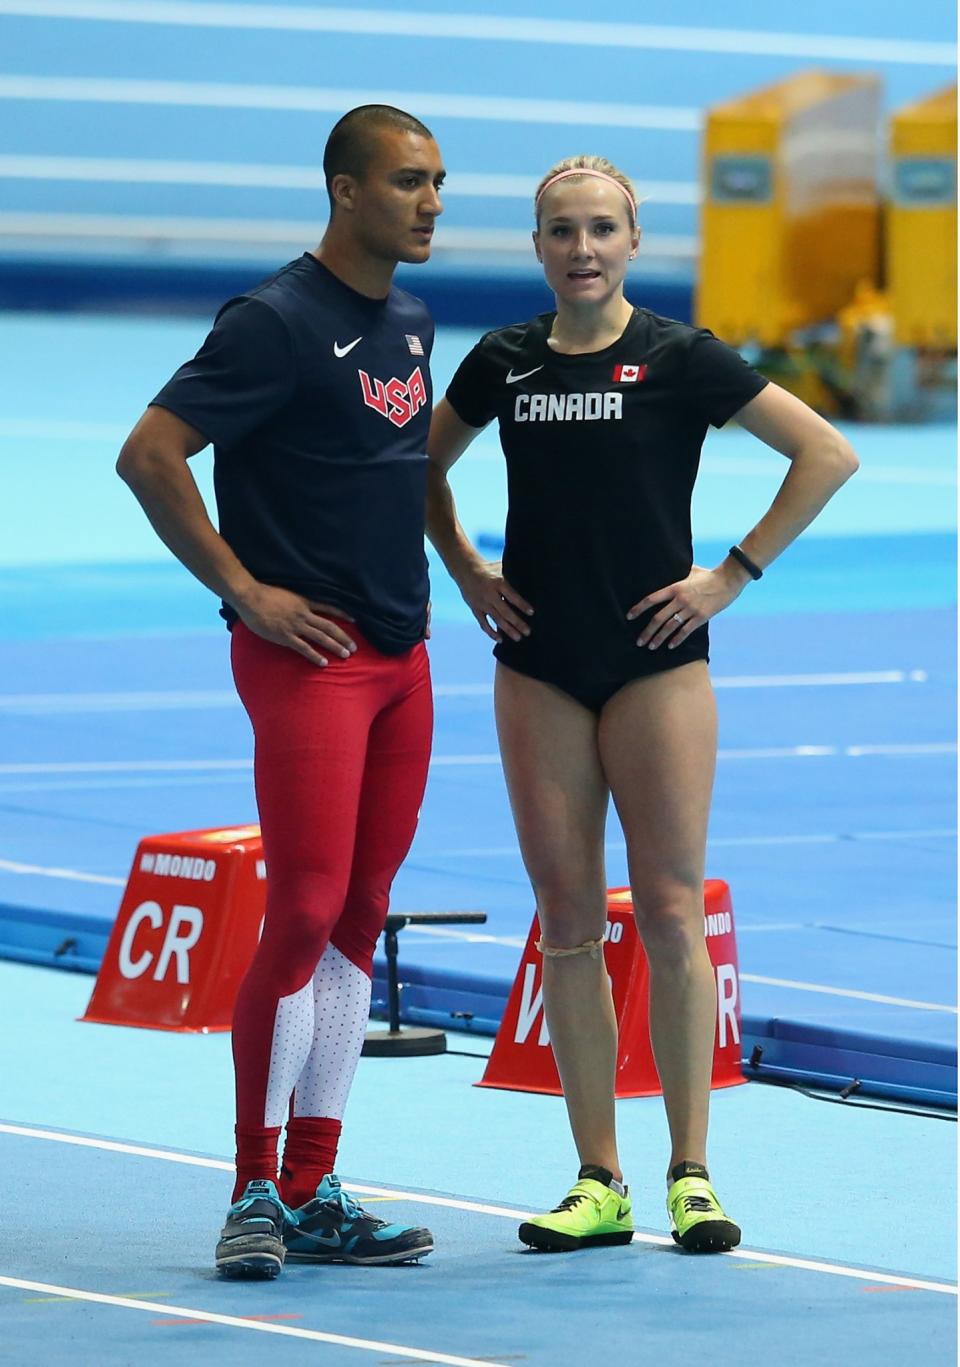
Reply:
x=310, y=1152
x=256, y=1156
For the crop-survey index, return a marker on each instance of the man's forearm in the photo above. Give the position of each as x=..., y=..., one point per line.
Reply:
x=166, y=490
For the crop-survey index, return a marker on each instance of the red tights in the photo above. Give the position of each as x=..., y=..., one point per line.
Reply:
x=341, y=756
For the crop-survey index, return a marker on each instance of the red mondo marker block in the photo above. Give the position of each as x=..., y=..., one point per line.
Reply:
x=187, y=928
x=522, y=1059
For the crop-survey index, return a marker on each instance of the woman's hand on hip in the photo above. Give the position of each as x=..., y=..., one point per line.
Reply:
x=498, y=608
x=682, y=607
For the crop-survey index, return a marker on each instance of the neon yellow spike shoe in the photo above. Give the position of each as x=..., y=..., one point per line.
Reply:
x=593, y=1212
x=698, y=1222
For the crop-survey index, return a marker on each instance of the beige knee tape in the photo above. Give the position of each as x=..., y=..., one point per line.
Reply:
x=592, y=947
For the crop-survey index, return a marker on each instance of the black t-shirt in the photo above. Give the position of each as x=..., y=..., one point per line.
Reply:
x=602, y=452
x=317, y=400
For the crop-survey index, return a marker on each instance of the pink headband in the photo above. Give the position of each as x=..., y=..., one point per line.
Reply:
x=588, y=171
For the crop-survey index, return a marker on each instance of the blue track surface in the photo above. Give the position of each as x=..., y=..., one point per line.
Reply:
x=436, y=1305
x=465, y=1161
x=113, y=677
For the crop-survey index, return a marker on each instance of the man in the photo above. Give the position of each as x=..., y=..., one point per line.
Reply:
x=314, y=388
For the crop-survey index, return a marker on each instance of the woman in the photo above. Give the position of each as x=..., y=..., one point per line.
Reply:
x=602, y=688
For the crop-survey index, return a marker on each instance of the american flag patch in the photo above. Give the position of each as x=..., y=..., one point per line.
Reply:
x=414, y=343
x=629, y=374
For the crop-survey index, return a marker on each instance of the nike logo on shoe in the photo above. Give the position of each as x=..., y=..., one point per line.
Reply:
x=340, y=351
x=512, y=379
x=332, y=1240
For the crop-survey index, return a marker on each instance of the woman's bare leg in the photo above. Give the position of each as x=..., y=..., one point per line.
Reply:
x=559, y=798
x=658, y=746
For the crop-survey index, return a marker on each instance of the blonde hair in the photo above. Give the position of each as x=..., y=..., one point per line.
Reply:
x=590, y=166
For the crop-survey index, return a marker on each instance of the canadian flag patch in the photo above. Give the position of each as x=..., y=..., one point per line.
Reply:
x=629, y=374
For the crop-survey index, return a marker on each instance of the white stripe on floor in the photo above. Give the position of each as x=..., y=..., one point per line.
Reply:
x=511, y=942
x=173, y=766
x=174, y=700
x=156, y=171
x=475, y=1207
x=319, y=99
x=821, y=990
x=493, y=27
x=236, y=1322
x=70, y=875
x=503, y=851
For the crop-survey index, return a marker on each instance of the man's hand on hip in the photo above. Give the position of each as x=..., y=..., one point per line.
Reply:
x=289, y=620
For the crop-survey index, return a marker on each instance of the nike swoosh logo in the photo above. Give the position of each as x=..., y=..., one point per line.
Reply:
x=512, y=379
x=332, y=1240
x=339, y=350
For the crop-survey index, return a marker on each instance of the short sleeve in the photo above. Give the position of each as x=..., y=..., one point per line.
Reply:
x=243, y=374
x=718, y=380
x=472, y=391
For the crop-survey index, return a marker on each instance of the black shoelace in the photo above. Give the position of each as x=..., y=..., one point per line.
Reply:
x=692, y=1203
x=570, y=1201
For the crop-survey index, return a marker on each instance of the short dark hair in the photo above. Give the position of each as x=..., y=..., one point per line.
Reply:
x=352, y=141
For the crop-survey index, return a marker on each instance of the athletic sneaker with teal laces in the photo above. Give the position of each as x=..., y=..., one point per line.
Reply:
x=251, y=1242
x=334, y=1228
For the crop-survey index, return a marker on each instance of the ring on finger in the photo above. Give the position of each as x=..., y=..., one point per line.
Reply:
x=678, y=619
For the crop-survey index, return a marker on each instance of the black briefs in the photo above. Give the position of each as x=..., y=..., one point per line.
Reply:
x=593, y=679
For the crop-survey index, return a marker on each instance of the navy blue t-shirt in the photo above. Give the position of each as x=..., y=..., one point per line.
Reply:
x=317, y=401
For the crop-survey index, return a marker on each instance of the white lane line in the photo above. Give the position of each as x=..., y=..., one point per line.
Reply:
x=127, y=766
x=215, y=236
x=517, y=942
x=927, y=748
x=502, y=851
x=821, y=990
x=151, y=171
x=318, y=99
x=118, y=784
x=837, y=680
x=470, y=936
x=500, y=28
x=849, y=678
x=174, y=766
x=172, y=700
x=513, y=942
x=236, y=1322
x=849, y=751
x=82, y=1141
x=72, y=875
x=475, y=1207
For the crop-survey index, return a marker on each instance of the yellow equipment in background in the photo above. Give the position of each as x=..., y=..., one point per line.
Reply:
x=922, y=223
x=791, y=216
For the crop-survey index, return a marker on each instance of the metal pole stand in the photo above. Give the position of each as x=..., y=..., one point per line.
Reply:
x=414, y=1039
